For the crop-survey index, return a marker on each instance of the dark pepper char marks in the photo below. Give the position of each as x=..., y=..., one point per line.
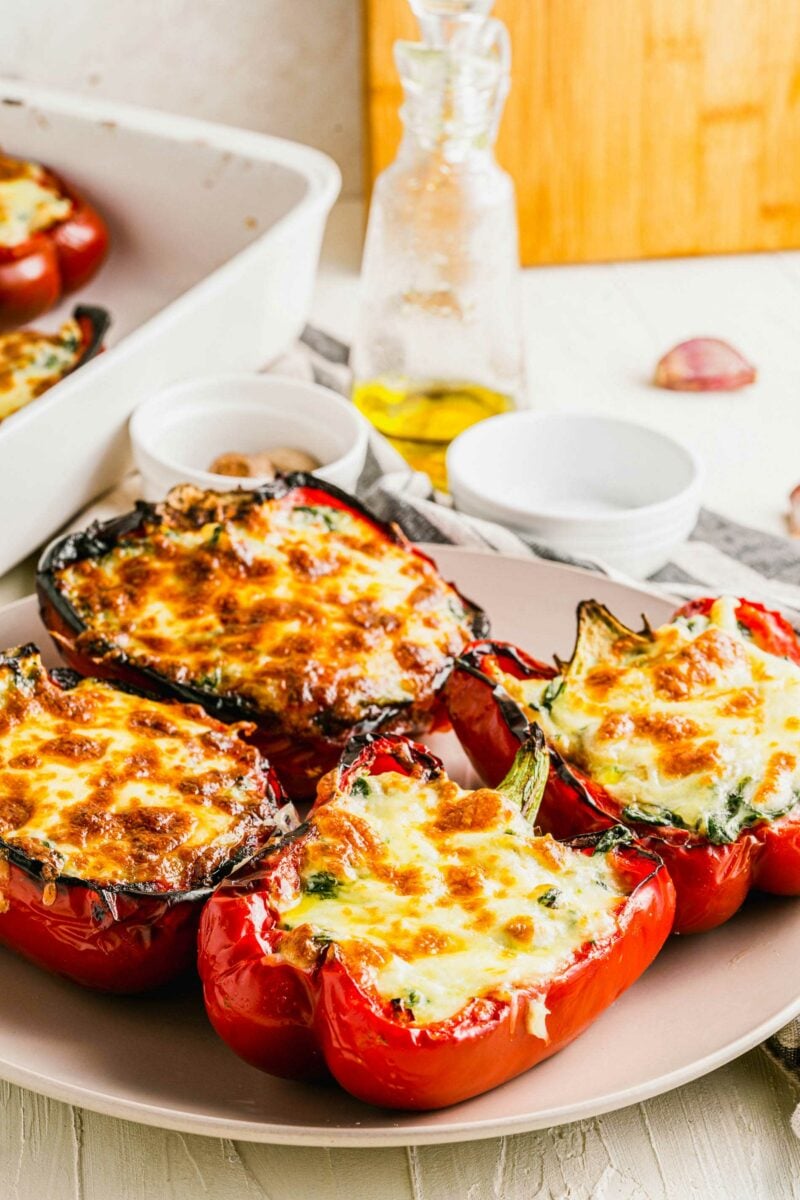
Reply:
x=226, y=606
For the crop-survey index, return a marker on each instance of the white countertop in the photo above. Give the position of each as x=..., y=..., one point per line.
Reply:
x=594, y=336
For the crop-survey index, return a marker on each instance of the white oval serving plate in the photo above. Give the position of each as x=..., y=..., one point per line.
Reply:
x=706, y=999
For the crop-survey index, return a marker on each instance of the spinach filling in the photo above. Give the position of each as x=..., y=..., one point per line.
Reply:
x=722, y=827
x=322, y=883
x=310, y=514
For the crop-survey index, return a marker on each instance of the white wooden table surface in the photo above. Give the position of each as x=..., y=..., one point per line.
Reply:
x=594, y=335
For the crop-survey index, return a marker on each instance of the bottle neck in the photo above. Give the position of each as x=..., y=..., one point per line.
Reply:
x=454, y=95
x=442, y=22
x=438, y=138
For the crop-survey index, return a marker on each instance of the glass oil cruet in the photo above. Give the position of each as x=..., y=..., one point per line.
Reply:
x=439, y=344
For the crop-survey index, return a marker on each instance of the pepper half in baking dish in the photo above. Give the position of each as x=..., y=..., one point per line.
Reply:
x=118, y=815
x=417, y=941
x=290, y=606
x=687, y=734
x=32, y=362
x=51, y=240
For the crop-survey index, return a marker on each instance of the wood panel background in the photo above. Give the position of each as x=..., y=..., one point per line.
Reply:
x=634, y=128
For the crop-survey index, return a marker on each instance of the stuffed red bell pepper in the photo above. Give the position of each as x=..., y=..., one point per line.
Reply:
x=289, y=606
x=32, y=362
x=688, y=734
x=417, y=941
x=51, y=240
x=118, y=815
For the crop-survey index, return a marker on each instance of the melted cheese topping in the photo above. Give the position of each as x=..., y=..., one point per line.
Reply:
x=696, y=728
x=437, y=897
x=304, y=611
x=104, y=786
x=32, y=362
x=28, y=202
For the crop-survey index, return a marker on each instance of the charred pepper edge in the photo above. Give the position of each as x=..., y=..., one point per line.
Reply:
x=101, y=537
x=405, y=754
x=99, y=320
x=518, y=724
x=36, y=869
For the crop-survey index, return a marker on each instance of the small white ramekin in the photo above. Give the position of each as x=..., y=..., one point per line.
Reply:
x=589, y=486
x=180, y=430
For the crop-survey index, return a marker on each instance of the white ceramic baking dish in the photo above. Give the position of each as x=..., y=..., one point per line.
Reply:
x=215, y=242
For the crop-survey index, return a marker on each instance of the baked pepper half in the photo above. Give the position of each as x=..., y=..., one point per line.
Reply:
x=118, y=816
x=419, y=942
x=687, y=734
x=51, y=240
x=289, y=606
x=32, y=362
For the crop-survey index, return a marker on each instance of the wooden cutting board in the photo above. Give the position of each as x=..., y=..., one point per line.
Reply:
x=634, y=128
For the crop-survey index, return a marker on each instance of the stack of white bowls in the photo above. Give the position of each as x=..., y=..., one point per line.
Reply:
x=588, y=486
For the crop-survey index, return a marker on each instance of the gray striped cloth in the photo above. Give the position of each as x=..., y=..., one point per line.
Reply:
x=721, y=556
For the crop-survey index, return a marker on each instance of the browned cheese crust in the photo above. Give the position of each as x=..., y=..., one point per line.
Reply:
x=305, y=612
x=105, y=786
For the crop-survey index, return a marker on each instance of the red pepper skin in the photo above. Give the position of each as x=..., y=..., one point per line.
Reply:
x=711, y=881
x=94, y=323
x=123, y=939
x=29, y=281
x=71, y=930
x=768, y=629
x=36, y=273
x=299, y=761
x=81, y=240
x=311, y=1023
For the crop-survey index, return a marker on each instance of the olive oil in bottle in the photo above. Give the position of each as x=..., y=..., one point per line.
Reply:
x=439, y=339
x=421, y=419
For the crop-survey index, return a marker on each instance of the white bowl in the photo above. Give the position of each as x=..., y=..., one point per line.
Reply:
x=588, y=486
x=179, y=431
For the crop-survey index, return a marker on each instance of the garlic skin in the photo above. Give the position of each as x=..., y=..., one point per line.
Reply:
x=704, y=365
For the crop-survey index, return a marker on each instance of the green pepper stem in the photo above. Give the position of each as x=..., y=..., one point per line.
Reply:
x=525, y=781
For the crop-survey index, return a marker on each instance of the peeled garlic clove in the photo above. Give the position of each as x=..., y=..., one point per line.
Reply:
x=704, y=365
x=794, y=511
x=286, y=459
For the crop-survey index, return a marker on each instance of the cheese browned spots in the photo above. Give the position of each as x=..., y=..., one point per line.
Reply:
x=492, y=908
x=29, y=201
x=31, y=362
x=694, y=726
x=101, y=785
x=300, y=609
